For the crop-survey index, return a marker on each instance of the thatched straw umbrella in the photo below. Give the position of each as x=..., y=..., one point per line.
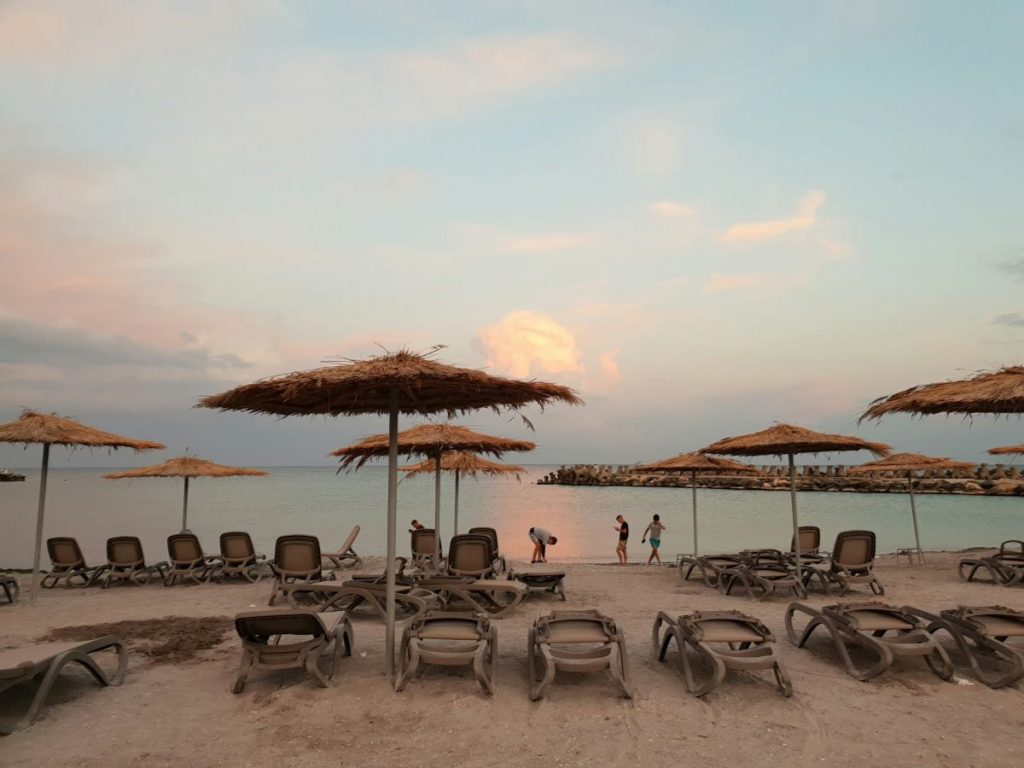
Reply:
x=909, y=463
x=433, y=441
x=464, y=463
x=696, y=464
x=187, y=467
x=999, y=391
x=50, y=429
x=1007, y=450
x=788, y=440
x=403, y=382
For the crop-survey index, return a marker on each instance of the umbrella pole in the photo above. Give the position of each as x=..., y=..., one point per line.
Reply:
x=389, y=594
x=39, y=518
x=693, y=485
x=184, y=510
x=796, y=521
x=913, y=513
x=437, y=506
x=456, y=531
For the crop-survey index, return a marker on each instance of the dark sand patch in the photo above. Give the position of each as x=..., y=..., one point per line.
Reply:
x=169, y=639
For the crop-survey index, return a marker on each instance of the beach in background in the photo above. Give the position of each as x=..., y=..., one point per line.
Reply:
x=315, y=500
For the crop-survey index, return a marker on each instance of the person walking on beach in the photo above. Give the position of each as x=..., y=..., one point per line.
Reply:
x=541, y=539
x=654, y=529
x=623, y=530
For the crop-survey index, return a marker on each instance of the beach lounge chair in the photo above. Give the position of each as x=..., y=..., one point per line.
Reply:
x=501, y=565
x=21, y=665
x=810, y=544
x=541, y=581
x=761, y=578
x=576, y=641
x=882, y=630
x=410, y=601
x=187, y=561
x=983, y=635
x=725, y=640
x=708, y=567
x=494, y=598
x=471, y=554
x=318, y=637
x=1005, y=567
x=448, y=639
x=345, y=558
x=11, y=590
x=296, y=561
x=426, y=555
x=126, y=562
x=852, y=562
x=238, y=557
x=68, y=565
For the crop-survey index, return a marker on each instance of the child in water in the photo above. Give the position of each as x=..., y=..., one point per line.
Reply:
x=654, y=529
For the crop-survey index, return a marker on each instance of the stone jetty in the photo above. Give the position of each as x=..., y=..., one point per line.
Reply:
x=984, y=480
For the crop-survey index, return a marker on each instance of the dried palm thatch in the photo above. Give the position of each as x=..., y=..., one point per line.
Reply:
x=186, y=466
x=466, y=464
x=422, y=385
x=696, y=462
x=429, y=440
x=908, y=462
x=50, y=429
x=1006, y=449
x=786, y=439
x=403, y=382
x=1000, y=391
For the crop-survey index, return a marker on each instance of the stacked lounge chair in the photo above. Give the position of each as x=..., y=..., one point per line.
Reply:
x=884, y=631
x=576, y=641
x=187, y=562
x=238, y=557
x=471, y=554
x=68, y=565
x=449, y=638
x=540, y=581
x=500, y=564
x=325, y=637
x=1005, y=567
x=852, y=562
x=762, y=574
x=426, y=551
x=725, y=640
x=127, y=562
x=296, y=562
x=21, y=665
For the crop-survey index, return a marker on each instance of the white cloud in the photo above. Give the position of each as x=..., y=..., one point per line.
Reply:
x=724, y=282
x=673, y=209
x=552, y=242
x=805, y=218
x=525, y=343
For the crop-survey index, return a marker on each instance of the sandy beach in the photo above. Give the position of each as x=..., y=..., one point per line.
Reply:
x=183, y=713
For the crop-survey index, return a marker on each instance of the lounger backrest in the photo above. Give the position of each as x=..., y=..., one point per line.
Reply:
x=64, y=552
x=184, y=547
x=424, y=541
x=298, y=555
x=854, y=548
x=350, y=540
x=125, y=550
x=489, y=533
x=236, y=545
x=257, y=626
x=1011, y=547
x=470, y=553
x=810, y=540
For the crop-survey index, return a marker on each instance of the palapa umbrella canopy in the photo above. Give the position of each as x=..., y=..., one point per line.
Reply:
x=432, y=440
x=50, y=429
x=463, y=463
x=1000, y=391
x=403, y=382
x=909, y=463
x=695, y=464
x=788, y=440
x=1006, y=449
x=187, y=467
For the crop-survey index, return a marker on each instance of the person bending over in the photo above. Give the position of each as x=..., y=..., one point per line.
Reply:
x=541, y=539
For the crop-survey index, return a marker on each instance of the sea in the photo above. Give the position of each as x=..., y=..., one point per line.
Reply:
x=316, y=500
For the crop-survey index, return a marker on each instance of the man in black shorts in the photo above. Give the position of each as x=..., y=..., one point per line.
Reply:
x=623, y=530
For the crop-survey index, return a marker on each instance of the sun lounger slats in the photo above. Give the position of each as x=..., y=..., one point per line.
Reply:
x=448, y=639
x=576, y=641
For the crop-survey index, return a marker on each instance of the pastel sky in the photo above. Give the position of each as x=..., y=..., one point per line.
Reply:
x=705, y=216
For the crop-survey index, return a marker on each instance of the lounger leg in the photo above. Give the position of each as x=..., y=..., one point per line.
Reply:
x=625, y=680
x=717, y=673
x=403, y=663
x=313, y=667
x=549, y=674
x=80, y=656
x=480, y=671
x=938, y=660
x=243, y=672
x=782, y=678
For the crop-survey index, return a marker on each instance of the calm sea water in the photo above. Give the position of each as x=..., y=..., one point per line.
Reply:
x=81, y=503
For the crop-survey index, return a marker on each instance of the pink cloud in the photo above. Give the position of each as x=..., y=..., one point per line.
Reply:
x=544, y=243
x=752, y=232
x=525, y=343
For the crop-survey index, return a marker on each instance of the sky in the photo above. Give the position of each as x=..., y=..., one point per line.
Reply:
x=705, y=217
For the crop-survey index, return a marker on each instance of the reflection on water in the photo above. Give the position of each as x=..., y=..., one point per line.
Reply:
x=81, y=503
